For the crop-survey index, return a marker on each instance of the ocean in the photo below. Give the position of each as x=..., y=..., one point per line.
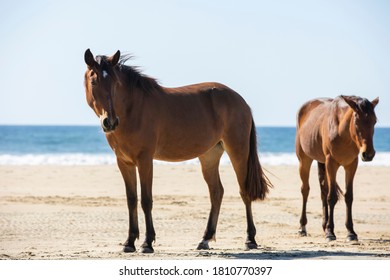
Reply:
x=87, y=145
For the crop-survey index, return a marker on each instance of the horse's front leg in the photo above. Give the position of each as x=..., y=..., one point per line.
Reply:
x=145, y=170
x=350, y=171
x=304, y=172
x=331, y=171
x=129, y=176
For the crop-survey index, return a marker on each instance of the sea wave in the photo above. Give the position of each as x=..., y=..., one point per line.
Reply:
x=58, y=159
x=273, y=159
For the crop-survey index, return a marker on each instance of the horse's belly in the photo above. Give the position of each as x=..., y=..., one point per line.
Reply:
x=315, y=154
x=179, y=153
x=179, y=144
x=311, y=145
x=184, y=149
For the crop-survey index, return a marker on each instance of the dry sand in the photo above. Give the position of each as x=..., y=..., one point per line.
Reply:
x=63, y=212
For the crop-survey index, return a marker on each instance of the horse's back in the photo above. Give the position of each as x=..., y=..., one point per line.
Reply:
x=206, y=92
x=195, y=118
x=213, y=103
x=311, y=119
x=312, y=109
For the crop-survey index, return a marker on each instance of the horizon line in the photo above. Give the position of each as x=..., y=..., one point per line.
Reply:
x=97, y=125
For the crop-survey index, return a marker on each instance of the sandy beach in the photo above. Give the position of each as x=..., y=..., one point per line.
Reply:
x=80, y=212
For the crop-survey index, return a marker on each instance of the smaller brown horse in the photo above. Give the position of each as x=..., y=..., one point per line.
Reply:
x=333, y=132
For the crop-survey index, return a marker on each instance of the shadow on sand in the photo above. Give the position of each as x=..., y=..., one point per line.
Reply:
x=291, y=255
x=342, y=253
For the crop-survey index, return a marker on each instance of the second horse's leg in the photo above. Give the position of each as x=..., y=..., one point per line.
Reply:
x=349, y=175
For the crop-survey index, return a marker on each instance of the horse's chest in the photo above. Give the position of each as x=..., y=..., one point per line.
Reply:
x=121, y=149
x=342, y=152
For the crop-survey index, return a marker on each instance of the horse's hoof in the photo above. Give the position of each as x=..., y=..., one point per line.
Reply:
x=146, y=249
x=330, y=237
x=250, y=245
x=203, y=245
x=302, y=233
x=352, y=238
x=129, y=249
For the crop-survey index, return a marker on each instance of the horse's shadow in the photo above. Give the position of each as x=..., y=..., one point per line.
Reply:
x=270, y=254
x=298, y=254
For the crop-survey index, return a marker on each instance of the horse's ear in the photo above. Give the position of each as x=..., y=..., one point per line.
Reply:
x=115, y=58
x=375, y=101
x=88, y=58
x=352, y=103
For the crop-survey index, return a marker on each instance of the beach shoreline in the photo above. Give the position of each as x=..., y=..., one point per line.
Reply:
x=80, y=212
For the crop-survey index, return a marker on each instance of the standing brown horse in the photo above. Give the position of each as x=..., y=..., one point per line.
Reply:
x=145, y=121
x=333, y=132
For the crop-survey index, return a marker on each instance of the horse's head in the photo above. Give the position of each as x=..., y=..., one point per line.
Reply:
x=100, y=85
x=364, y=119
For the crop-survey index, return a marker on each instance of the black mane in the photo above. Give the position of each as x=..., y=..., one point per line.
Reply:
x=365, y=106
x=136, y=78
x=133, y=75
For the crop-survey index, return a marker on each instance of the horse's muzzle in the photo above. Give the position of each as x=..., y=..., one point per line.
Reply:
x=367, y=156
x=109, y=125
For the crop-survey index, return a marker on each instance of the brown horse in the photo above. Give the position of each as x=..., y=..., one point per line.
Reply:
x=145, y=121
x=333, y=132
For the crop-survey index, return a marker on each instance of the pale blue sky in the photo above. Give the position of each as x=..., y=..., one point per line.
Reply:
x=276, y=54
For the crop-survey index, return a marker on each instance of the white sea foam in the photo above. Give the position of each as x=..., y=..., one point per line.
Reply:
x=57, y=159
x=278, y=159
x=381, y=159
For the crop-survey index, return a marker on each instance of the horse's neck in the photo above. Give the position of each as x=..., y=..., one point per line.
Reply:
x=128, y=99
x=347, y=128
x=133, y=102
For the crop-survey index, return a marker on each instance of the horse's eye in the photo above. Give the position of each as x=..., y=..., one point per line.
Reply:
x=93, y=77
x=94, y=80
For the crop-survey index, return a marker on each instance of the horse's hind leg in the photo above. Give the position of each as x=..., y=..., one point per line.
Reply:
x=210, y=163
x=304, y=172
x=349, y=175
x=324, y=193
x=238, y=154
x=333, y=194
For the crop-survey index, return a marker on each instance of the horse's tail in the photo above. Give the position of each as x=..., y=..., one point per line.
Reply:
x=257, y=183
x=324, y=189
x=339, y=192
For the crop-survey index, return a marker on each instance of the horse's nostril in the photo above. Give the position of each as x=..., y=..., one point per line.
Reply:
x=368, y=156
x=106, y=123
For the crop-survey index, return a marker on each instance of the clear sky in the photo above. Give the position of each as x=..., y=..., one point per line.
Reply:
x=276, y=54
